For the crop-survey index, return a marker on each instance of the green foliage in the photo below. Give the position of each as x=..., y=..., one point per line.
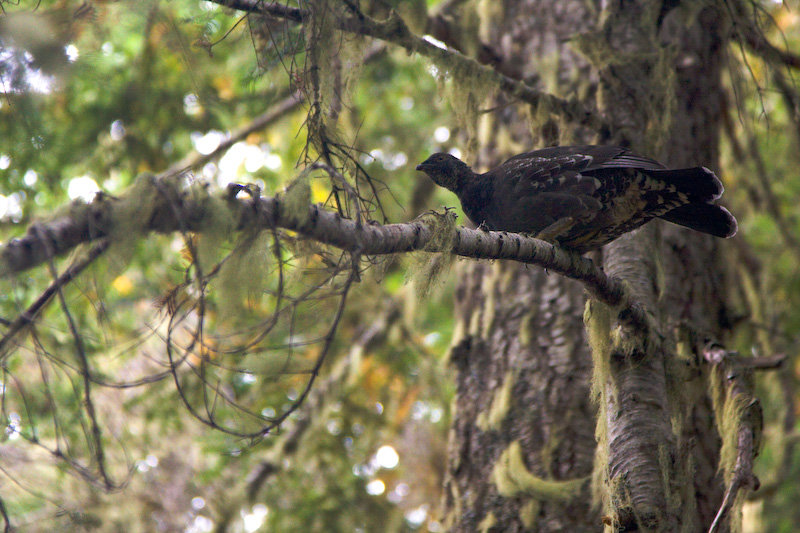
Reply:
x=144, y=86
x=248, y=316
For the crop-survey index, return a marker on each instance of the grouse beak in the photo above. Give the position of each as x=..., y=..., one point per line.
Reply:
x=422, y=167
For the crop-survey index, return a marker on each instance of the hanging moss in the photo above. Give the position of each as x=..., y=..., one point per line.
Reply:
x=243, y=275
x=333, y=68
x=529, y=514
x=296, y=198
x=125, y=218
x=489, y=521
x=663, y=100
x=489, y=290
x=729, y=410
x=501, y=404
x=512, y=479
x=426, y=268
x=597, y=318
x=466, y=85
x=217, y=226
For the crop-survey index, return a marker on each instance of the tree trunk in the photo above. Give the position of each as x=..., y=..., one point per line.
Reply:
x=522, y=441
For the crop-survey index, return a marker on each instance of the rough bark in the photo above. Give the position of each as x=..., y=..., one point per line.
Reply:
x=677, y=487
x=694, y=281
x=660, y=447
x=522, y=440
x=635, y=92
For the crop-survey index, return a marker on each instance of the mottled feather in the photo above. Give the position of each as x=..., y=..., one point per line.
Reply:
x=600, y=191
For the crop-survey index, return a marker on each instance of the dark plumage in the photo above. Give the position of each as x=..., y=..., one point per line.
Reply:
x=583, y=196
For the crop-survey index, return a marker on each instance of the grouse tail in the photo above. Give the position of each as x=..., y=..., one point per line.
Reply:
x=698, y=183
x=708, y=218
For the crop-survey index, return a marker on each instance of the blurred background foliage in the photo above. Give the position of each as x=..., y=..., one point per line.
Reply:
x=95, y=93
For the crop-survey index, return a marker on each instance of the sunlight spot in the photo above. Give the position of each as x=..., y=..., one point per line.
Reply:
x=107, y=49
x=255, y=518
x=30, y=178
x=396, y=161
x=334, y=426
x=406, y=103
x=435, y=42
x=198, y=503
x=5, y=161
x=13, y=427
x=82, y=187
x=201, y=524
x=117, y=130
x=399, y=492
x=209, y=170
x=375, y=487
x=419, y=410
x=191, y=105
x=455, y=152
x=432, y=338
x=273, y=161
x=14, y=206
x=123, y=285
x=253, y=159
x=416, y=517
x=151, y=460
x=72, y=52
x=387, y=457
x=441, y=134
x=205, y=144
x=376, y=154
x=230, y=162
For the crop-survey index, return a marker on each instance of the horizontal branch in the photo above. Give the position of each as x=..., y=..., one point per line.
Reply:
x=394, y=30
x=165, y=206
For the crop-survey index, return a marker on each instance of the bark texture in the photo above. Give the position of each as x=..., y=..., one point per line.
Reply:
x=522, y=441
x=520, y=351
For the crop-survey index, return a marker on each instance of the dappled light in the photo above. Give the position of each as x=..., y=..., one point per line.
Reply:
x=230, y=302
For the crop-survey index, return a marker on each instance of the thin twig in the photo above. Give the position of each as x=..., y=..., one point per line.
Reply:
x=27, y=317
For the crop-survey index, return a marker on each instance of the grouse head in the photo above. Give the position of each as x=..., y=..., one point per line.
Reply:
x=446, y=171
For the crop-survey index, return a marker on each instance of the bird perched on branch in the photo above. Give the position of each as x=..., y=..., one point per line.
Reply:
x=583, y=196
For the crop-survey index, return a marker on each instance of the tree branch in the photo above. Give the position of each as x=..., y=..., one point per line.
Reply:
x=394, y=30
x=748, y=33
x=177, y=208
x=277, y=111
x=738, y=390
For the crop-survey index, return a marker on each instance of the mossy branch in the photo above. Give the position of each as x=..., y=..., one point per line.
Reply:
x=394, y=30
x=740, y=422
x=173, y=207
